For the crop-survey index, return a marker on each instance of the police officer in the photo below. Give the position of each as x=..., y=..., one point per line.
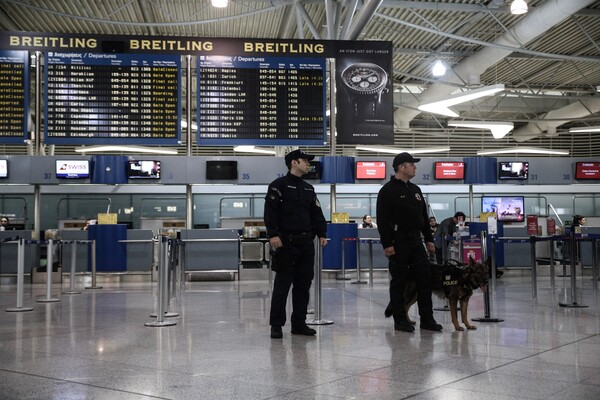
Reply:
x=402, y=216
x=293, y=217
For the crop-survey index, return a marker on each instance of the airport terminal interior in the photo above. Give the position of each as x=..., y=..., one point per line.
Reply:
x=137, y=142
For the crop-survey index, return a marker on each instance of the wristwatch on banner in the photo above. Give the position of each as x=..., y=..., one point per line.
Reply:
x=365, y=82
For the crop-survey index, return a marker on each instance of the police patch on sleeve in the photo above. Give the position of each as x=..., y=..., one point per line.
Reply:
x=418, y=196
x=317, y=203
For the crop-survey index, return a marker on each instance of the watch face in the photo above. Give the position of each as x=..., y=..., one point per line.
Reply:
x=365, y=78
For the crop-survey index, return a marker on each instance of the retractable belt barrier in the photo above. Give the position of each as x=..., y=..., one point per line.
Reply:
x=486, y=295
x=20, y=273
x=162, y=287
x=370, y=242
x=318, y=287
x=344, y=241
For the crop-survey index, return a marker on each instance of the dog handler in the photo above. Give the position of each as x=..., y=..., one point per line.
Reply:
x=402, y=217
x=293, y=217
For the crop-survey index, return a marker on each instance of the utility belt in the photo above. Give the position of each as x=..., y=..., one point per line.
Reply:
x=297, y=238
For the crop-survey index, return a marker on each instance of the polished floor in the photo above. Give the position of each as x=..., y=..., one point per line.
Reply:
x=95, y=345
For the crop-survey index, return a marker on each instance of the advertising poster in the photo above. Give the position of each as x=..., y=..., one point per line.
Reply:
x=365, y=109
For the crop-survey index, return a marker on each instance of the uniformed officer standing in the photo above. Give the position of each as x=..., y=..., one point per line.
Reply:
x=293, y=217
x=402, y=217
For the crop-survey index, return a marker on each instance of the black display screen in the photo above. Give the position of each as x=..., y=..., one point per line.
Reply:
x=314, y=170
x=261, y=101
x=94, y=98
x=221, y=170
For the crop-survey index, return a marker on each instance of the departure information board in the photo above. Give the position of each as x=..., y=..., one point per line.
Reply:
x=106, y=98
x=261, y=101
x=14, y=89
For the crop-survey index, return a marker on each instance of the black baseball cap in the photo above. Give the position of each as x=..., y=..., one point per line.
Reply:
x=296, y=154
x=402, y=158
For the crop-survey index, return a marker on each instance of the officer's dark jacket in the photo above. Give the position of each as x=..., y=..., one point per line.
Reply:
x=292, y=207
x=401, y=208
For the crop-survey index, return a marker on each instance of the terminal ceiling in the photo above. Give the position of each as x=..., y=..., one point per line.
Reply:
x=552, y=77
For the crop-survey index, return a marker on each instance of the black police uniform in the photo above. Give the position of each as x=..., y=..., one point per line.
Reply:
x=402, y=218
x=293, y=212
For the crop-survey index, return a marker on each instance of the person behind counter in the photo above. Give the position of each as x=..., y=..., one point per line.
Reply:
x=4, y=223
x=433, y=225
x=446, y=228
x=402, y=216
x=293, y=217
x=367, y=222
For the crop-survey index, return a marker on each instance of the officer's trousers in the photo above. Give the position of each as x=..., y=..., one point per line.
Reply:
x=300, y=276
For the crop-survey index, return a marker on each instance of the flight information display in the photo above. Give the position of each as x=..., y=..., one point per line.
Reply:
x=14, y=79
x=261, y=101
x=106, y=98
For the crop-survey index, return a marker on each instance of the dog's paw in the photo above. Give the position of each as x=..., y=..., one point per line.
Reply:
x=471, y=327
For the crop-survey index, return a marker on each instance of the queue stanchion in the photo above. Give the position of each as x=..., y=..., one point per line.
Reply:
x=20, y=278
x=94, y=286
x=49, y=262
x=72, y=272
x=595, y=263
x=563, y=250
x=533, y=268
x=344, y=277
x=162, y=286
x=370, y=262
x=552, y=279
x=358, y=280
x=318, y=288
x=486, y=295
x=573, y=248
x=165, y=298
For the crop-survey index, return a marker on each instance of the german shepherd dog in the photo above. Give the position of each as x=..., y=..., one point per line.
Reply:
x=454, y=281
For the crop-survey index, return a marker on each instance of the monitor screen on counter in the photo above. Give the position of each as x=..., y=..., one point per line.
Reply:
x=143, y=169
x=216, y=170
x=450, y=170
x=72, y=169
x=587, y=170
x=370, y=170
x=3, y=168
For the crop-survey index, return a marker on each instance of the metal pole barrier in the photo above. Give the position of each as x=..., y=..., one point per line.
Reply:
x=181, y=267
x=444, y=239
x=563, y=250
x=343, y=278
x=573, y=247
x=358, y=281
x=318, y=288
x=552, y=279
x=167, y=257
x=161, y=286
x=486, y=295
x=73, y=265
x=370, y=262
x=171, y=274
x=49, y=262
x=595, y=263
x=20, y=278
x=533, y=268
x=94, y=286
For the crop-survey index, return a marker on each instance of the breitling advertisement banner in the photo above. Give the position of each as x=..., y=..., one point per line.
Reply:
x=365, y=109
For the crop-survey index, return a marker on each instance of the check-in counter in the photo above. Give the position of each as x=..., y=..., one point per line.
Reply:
x=8, y=252
x=379, y=259
x=211, y=254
